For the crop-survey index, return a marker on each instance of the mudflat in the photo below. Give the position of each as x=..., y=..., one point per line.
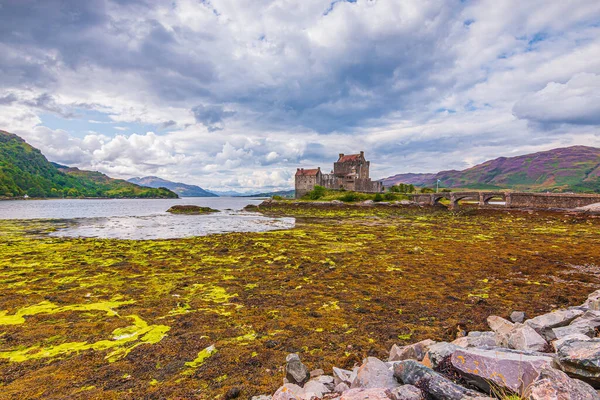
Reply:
x=193, y=318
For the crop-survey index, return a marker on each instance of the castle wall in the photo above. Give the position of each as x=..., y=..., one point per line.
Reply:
x=351, y=175
x=305, y=183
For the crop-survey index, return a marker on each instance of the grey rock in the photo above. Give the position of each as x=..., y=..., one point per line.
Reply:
x=262, y=397
x=544, y=324
x=289, y=391
x=575, y=328
x=341, y=387
x=374, y=374
x=589, y=317
x=577, y=336
x=337, y=202
x=525, y=337
x=437, y=352
x=327, y=381
x=407, y=392
x=593, y=301
x=410, y=372
x=368, y=394
x=477, y=339
x=517, y=316
x=314, y=389
x=581, y=359
x=341, y=375
x=501, y=328
x=368, y=202
x=510, y=370
x=316, y=372
x=414, y=351
x=295, y=371
x=552, y=384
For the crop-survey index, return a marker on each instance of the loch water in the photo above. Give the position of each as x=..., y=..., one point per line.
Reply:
x=142, y=219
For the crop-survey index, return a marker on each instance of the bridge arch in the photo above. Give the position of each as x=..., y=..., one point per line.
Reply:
x=487, y=197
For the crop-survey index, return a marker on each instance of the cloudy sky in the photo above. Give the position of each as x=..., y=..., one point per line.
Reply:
x=239, y=93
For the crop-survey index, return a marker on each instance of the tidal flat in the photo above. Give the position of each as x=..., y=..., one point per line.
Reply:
x=193, y=318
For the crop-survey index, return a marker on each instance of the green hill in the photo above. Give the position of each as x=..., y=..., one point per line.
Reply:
x=567, y=169
x=25, y=171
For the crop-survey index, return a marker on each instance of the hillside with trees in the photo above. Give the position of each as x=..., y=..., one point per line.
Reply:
x=25, y=171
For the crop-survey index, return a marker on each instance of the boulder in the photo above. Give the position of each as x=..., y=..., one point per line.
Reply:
x=407, y=392
x=510, y=370
x=316, y=372
x=341, y=375
x=581, y=359
x=437, y=352
x=477, y=339
x=590, y=318
x=411, y=372
x=501, y=328
x=544, y=324
x=525, y=337
x=295, y=371
x=327, y=381
x=575, y=328
x=517, y=316
x=314, y=389
x=577, y=336
x=553, y=384
x=593, y=301
x=370, y=394
x=374, y=374
x=341, y=387
x=411, y=352
x=288, y=391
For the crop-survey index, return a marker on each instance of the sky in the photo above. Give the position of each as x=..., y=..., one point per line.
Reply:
x=237, y=94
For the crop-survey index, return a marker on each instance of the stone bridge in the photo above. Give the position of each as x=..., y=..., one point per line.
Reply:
x=511, y=199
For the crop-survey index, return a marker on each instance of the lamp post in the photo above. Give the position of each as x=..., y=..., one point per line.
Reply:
x=437, y=186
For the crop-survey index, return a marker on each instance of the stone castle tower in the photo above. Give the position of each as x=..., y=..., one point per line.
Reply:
x=350, y=172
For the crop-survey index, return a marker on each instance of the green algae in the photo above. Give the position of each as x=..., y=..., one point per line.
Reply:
x=202, y=356
x=121, y=338
x=47, y=307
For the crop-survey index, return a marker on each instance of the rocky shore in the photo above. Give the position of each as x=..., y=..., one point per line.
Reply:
x=554, y=356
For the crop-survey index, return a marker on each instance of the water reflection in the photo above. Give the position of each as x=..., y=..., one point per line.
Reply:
x=166, y=226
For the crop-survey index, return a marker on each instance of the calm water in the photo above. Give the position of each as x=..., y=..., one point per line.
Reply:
x=144, y=219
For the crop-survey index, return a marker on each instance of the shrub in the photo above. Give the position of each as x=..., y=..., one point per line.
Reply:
x=316, y=193
x=427, y=190
x=378, y=197
x=276, y=197
x=389, y=196
x=349, y=197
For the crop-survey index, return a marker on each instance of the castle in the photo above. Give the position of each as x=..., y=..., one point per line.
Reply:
x=350, y=172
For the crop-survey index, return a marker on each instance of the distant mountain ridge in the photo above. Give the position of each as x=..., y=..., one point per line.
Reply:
x=25, y=171
x=182, y=189
x=575, y=168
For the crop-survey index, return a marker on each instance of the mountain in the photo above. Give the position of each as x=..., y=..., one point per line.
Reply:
x=283, y=193
x=181, y=189
x=575, y=169
x=25, y=171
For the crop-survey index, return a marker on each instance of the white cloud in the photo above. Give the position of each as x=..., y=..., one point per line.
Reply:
x=241, y=93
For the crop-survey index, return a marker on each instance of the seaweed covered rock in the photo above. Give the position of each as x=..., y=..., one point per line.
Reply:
x=191, y=210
